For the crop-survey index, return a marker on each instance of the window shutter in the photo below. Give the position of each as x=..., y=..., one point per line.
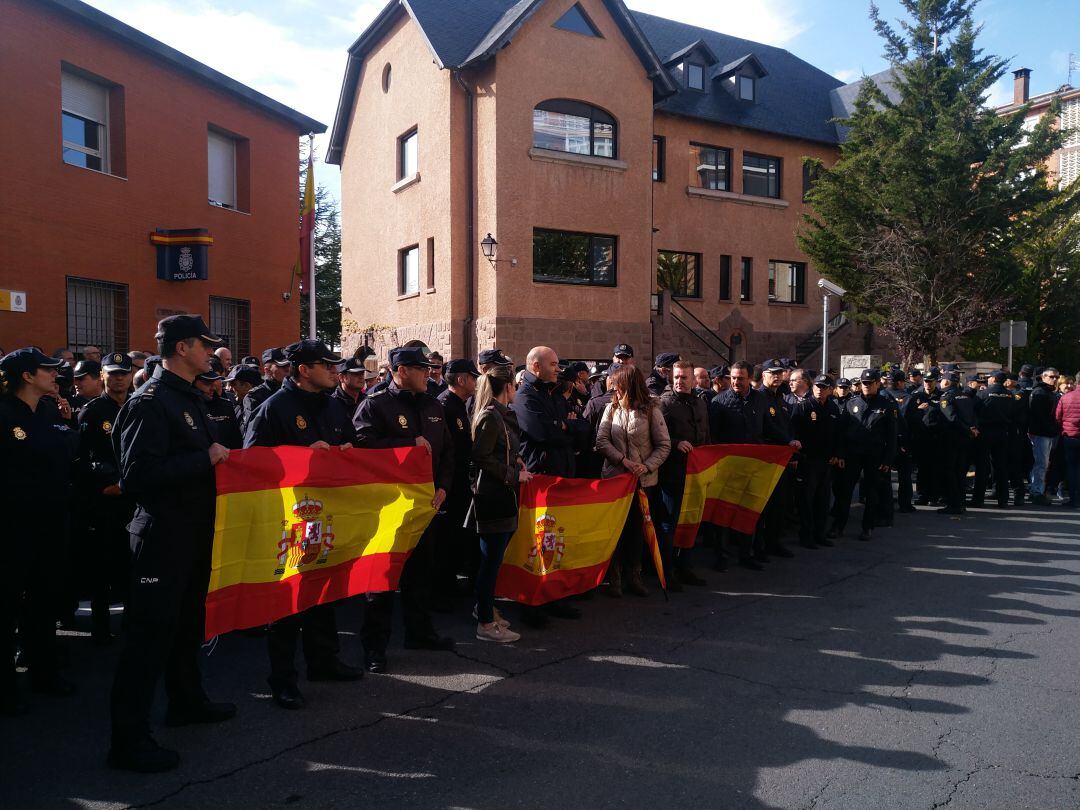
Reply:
x=83, y=97
x=221, y=169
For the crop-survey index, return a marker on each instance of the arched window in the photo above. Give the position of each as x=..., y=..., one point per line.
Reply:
x=572, y=126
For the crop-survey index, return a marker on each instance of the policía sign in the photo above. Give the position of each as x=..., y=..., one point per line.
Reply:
x=182, y=254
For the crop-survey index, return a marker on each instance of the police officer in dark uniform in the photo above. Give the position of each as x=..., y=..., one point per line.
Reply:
x=108, y=557
x=870, y=440
x=37, y=448
x=404, y=415
x=301, y=414
x=1021, y=454
x=915, y=380
x=816, y=423
x=222, y=412
x=925, y=439
x=350, y=388
x=842, y=392
x=88, y=385
x=776, y=430
x=164, y=441
x=905, y=489
x=660, y=378
x=275, y=370
x=242, y=380
x=998, y=412
x=458, y=550
x=954, y=421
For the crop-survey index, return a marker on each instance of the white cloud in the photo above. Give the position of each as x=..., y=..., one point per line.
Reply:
x=774, y=22
x=847, y=76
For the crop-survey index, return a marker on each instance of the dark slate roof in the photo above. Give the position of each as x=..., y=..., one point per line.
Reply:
x=794, y=99
x=843, y=98
x=90, y=16
x=455, y=28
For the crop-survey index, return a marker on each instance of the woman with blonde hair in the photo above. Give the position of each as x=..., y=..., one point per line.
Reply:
x=633, y=437
x=496, y=473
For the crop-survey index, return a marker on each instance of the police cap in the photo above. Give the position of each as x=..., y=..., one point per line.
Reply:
x=950, y=367
x=410, y=356
x=116, y=361
x=787, y=362
x=351, y=365
x=824, y=381
x=934, y=374
x=623, y=350
x=30, y=360
x=310, y=352
x=577, y=367
x=462, y=366
x=915, y=373
x=65, y=372
x=666, y=359
x=1013, y=376
x=952, y=376
x=897, y=375
x=998, y=377
x=250, y=360
x=152, y=361
x=185, y=327
x=493, y=357
x=1027, y=369
x=973, y=377
x=84, y=367
x=213, y=375
x=870, y=375
x=843, y=382
x=248, y=374
x=773, y=364
x=612, y=369
x=275, y=356
x=718, y=372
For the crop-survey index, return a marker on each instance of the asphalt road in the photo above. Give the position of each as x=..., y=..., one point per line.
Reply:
x=934, y=666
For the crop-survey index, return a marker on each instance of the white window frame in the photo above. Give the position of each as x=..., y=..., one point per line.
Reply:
x=409, y=270
x=84, y=114
x=753, y=88
x=211, y=135
x=409, y=148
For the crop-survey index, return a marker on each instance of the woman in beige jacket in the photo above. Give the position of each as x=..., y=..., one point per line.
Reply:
x=633, y=438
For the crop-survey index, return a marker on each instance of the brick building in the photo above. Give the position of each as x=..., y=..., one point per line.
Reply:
x=111, y=136
x=642, y=179
x=1064, y=165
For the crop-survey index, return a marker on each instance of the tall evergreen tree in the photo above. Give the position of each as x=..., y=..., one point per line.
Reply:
x=921, y=217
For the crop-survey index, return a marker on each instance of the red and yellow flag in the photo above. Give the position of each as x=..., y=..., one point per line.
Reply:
x=307, y=228
x=298, y=527
x=567, y=532
x=728, y=485
x=648, y=528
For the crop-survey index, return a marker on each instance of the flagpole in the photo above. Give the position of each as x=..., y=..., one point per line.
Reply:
x=311, y=249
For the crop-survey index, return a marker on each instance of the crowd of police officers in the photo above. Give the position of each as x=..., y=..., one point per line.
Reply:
x=135, y=439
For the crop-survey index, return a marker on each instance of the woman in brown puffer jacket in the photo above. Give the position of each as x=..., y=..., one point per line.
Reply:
x=633, y=438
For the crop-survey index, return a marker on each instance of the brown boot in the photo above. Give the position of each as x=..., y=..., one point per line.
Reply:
x=614, y=579
x=636, y=586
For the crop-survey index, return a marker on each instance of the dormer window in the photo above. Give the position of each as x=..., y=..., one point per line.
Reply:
x=695, y=76
x=746, y=88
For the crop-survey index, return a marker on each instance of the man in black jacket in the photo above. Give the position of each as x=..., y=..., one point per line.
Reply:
x=661, y=373
x=403, y=414
x=275, y=370
x=816, y=422
x=870, y=442
x=904, y=467
x=350, y=388
x=954, y=421
x=776, y=430
x=998, y=412
x=222, y=412
x=1043, y=430
x=300, y=414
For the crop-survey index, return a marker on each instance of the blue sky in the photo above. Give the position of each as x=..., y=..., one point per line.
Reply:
x=294, y=50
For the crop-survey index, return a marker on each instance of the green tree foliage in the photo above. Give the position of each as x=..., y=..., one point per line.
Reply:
x=921, y=217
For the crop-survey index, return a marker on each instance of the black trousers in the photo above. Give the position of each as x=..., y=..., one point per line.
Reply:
x=415, y=587
x=166, y=616
x=931, y=486
x=109, y=564
x=994, y=461
x=774, y=515
x=954, y=458
x=457, y=550
x=864, y=472
x=30, y=600
x=905, y=490
x=815, y=488
x=317, y=626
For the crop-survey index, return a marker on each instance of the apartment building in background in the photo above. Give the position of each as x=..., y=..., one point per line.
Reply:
x=1064, y=164
x=139, y=183
x=638, y=180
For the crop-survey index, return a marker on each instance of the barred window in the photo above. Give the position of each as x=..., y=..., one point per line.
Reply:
x=97, y=314
x=230, y=320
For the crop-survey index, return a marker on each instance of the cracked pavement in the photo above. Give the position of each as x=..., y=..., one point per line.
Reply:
x=933, y=667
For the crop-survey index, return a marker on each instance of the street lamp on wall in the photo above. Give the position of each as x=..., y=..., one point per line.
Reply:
x=490, y=247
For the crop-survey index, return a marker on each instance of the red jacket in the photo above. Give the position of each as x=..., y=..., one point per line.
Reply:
x=1068, y=414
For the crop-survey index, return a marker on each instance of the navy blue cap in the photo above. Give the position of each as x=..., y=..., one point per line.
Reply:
x=250, y=360
x=623, y=350
x=843, y=382
x=351, y=365
x=950, y=367
x=577, y=367
x=244, y=373
x=117, y=361
x=999, y=377
x=772, y=364
x=666, y=359
x=1013, y=376
x=410, y=356
x=151, y=361
x=972, y=377
x=719, y=371
x=493, y=357
x=915, y=373
x=85, y=367
x=787, y=362
x=28, y=359
x=1027, y=368
x=823, y=380
x=184, y=327
x=65, y=372
x=309, y=352
x=897, y=375
x=275, y=356
x=210, y=376
x=462, y=367
x=952, y=376
x=870, y=375
x=613, y=368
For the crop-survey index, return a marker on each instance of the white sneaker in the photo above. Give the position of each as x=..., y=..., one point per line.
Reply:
x=497, y=633
x=499, y=620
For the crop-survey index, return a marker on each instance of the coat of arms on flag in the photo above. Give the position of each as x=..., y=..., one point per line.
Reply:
x=308, y=540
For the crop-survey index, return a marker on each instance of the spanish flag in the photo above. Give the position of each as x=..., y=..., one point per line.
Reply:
x=304, y=260
x=728, y=485
x=567, y=531
x=297, y=527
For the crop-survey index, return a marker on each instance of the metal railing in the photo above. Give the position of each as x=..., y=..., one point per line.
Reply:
x=714, y=343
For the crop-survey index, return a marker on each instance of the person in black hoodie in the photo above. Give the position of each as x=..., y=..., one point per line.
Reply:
x=300, y=414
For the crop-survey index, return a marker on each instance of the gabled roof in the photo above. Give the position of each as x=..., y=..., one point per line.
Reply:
x=843, y=98
x=102, y=22
x=738, y=64
x=461, y=33
x=700, y=47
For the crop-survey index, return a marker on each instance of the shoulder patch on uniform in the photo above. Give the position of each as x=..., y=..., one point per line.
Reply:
x=149, y=391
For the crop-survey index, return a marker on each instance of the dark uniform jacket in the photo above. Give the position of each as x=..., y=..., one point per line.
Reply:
x=345, y=399
x=97, y=467
x=952, y=416
x=905, y=404
x=1041, y=408
x=293, y=416
x=162, y=437
x=687, y=419
x=256, y=397
x=776, y=419
x=737, y=420
x=396, y=418
x=820, y=428
x=706, y=395
x=998, y=411
x=870, y=428
x=36, y=453
x=222, y=414
x=457, y=422
x=655, y=383
x=547, y=447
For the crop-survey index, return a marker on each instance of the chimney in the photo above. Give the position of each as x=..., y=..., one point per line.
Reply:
x=1021, y=85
